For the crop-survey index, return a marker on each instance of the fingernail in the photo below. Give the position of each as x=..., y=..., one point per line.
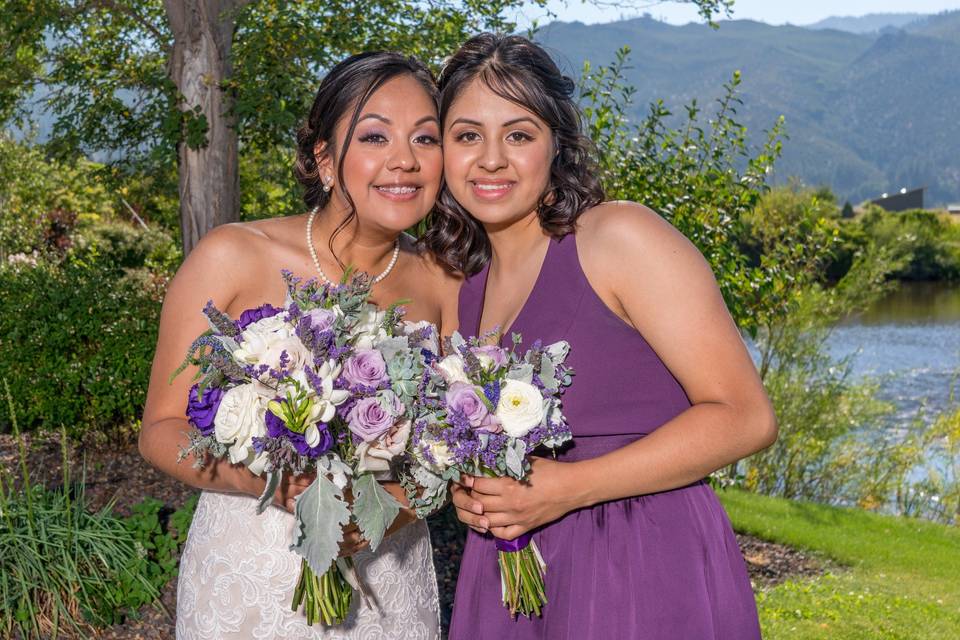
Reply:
x=468, y=481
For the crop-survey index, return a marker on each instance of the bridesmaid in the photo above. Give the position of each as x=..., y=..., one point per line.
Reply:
x=636, y=543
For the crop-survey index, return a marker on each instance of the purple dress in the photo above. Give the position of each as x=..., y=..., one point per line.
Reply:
x=663, y=566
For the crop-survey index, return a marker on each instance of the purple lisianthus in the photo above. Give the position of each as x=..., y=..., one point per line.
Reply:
x=255, y=315
x=365, y=367
x=369, y=420
x=202, y=409
x=277, y=428
x=462, y=399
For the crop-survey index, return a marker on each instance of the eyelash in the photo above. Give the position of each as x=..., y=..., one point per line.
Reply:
x=513, y=136
x=380, y=139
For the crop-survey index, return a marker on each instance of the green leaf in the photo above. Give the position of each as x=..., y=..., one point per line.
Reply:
x=321, y=515
x=373, y=508
x=273, y=481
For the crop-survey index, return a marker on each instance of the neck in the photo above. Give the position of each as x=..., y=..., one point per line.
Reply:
x=512, y=244
x=357, y=245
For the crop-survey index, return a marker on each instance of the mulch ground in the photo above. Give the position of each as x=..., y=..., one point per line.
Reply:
x=120, y=474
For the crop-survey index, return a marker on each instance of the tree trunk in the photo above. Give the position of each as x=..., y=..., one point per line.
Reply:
x=199, y=64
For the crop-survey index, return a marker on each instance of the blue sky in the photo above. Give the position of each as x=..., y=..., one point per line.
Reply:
x=798, y=12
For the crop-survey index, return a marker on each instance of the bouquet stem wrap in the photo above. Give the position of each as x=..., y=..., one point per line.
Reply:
x=521, y=575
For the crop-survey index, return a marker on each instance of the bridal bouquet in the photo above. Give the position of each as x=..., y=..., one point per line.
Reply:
x=483, y=410
x=325, y=385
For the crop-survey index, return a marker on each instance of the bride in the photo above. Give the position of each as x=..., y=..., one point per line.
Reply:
x=370, y=162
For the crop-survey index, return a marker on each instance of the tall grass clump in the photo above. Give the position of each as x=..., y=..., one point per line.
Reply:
x=60, y=565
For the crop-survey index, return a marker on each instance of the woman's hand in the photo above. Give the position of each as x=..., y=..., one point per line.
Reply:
x=508, y=508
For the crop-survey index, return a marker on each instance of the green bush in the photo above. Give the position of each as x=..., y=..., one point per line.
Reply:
x=76, y=342
x=931, y=240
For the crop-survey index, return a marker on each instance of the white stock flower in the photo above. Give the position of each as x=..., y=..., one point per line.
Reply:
x=520, y=408
x=376, y=455
x=368, y=330
x=451, y=368
x=239, y=419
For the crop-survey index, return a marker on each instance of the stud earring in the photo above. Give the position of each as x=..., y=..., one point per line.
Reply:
x=327, y=182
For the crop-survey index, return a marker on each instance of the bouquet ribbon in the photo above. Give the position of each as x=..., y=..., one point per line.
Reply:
x=516, y=544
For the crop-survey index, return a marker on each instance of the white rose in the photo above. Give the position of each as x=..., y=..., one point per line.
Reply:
x=520, y=408
x=239, y=419
x=432, y=343
x=376, y=455
x=264, y=341
x=451, y=368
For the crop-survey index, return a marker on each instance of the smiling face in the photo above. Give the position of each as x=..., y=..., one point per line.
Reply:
x=393, y=164
x=497, y=156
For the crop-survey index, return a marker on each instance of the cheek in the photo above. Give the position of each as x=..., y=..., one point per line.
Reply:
x=359, y=170
x=456, y=166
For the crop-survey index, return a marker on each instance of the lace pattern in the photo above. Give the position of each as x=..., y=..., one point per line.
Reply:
x=237, y=578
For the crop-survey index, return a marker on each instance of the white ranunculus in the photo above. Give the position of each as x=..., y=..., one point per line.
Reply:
x=520, y=408
x=368, y=330
x=376, y=455
x=239, y=419
x=451, y=368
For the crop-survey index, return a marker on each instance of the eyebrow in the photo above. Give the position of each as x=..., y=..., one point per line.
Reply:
x=386, y=120
x=508, y=123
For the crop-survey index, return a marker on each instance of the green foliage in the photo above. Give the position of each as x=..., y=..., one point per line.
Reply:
x=931, y=240
x=704, y=179
x=78, y=349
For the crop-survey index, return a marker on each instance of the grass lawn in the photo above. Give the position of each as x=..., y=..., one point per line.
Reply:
x=898, y=577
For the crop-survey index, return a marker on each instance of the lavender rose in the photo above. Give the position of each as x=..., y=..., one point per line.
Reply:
x=491, y=356
x=462, y=398
x=201, y=410
x=369, y=420
x=366, y=367
x=255, y=315
x=321, y=319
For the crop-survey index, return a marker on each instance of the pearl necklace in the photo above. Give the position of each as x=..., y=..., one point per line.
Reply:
x=316, y=260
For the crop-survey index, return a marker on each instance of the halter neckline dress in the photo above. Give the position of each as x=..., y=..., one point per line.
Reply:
x=663, y=566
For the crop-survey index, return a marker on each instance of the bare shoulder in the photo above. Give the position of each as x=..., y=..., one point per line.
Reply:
x=620, y=226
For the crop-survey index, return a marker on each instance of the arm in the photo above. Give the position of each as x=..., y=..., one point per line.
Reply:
x=654, y=279
x=202, y=277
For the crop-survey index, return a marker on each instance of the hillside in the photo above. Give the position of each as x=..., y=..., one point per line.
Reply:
x=866, y=113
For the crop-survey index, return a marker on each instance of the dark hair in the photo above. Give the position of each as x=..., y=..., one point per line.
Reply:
x=350, y=83
x=520, y=71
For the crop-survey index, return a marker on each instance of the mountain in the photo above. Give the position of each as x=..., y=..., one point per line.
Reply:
x=866, y=113
x=870, y=23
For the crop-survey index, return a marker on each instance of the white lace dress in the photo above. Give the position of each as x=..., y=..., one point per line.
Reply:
x=237, y=578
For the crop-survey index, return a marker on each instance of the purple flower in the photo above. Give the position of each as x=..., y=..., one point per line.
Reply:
x=495, y=354
x=462, y=399
x=201, y=410
x=369, y=420
x=365, y=367
x=321, y=319
x=277, y=428
x=255, y=315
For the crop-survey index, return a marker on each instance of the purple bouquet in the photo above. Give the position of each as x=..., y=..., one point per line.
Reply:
x=327, y=385
x=483, y=410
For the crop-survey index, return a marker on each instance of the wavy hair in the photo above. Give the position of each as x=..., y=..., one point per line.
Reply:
x=349, y=84
x=520, y=71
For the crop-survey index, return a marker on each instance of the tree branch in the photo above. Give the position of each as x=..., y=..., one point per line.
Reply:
x=130, y=13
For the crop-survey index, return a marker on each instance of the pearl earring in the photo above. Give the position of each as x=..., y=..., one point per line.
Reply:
x=327, y=180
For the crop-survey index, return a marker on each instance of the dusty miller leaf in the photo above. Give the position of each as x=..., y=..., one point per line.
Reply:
x=514, y=458
x=273, y=481
x=373, y=507
x=321, y=514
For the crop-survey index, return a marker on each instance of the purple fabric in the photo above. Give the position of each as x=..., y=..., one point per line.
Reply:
x=201, y=410
x=659, y=567
x=517, y=544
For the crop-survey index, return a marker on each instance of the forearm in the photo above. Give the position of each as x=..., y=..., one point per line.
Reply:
x=161, y=444
x=706, y=437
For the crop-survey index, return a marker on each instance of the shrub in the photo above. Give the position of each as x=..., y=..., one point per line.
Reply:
x=76, y=342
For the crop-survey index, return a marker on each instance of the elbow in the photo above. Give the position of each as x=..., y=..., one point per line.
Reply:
x=765, y=429
x=145, y=444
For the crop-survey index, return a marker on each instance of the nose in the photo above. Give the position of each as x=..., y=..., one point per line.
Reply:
x=492, y=157
x=403, y=158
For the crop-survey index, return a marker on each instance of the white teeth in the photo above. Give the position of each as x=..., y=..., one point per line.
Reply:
x=398, y=190
x=491, y=187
